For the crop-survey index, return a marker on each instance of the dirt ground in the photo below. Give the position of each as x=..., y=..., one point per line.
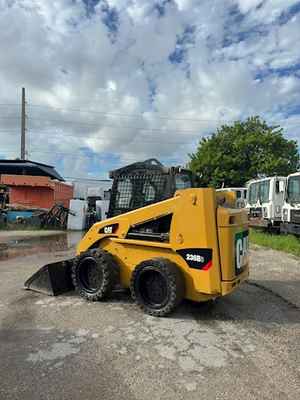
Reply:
x=247, y=346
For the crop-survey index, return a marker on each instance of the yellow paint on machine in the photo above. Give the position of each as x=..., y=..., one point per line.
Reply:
x=198, y=223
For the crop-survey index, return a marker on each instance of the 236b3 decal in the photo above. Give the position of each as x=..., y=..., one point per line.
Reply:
x=194, y=257
x=197, y=258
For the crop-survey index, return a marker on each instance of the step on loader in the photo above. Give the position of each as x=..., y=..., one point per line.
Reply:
x=189, y=246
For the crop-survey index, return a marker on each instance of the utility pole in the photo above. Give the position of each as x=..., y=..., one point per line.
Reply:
x=23, y=126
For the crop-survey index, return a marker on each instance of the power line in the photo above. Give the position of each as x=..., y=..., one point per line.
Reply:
x=157, y=116
x=87, y=179
x=161, y=141
x=10, y=105
x=95, y=125
x=143, y=138
x=60, y=135
x=90, y=149
x=141, y=115
x=129, y=115
x=133, y=158
x=74, y=155
x=14, y=118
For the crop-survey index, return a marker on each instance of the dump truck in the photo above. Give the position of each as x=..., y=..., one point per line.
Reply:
x=165, y=239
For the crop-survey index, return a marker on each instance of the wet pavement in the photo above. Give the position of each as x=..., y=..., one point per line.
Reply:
x=18, y=246
x=246, y=346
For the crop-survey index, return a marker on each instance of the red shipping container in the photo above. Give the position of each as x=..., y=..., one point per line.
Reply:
x=37, y=191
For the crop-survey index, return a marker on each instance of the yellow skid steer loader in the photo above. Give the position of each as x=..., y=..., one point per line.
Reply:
x=187, y=246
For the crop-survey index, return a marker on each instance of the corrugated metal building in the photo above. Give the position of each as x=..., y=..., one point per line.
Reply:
x=34, y=185
x=27, y=167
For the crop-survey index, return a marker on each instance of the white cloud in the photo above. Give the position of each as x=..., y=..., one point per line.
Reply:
x=247, y=5
x=231, y=67
x=264, y=12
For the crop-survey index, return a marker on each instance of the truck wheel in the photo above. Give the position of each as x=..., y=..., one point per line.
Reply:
x=157, y=286
x=94, y=274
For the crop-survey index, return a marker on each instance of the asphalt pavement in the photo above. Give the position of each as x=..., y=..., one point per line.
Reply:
x=246, y=346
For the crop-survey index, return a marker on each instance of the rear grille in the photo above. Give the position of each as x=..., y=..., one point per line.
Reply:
x=256, y=212
x=295, y=216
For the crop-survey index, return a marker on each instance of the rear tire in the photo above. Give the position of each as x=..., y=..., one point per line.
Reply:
x=157, y=286
x=94, y=274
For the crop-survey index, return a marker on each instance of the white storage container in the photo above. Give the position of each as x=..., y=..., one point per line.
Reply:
x=80, y=190
x=77, y=222
x=102, y=209
x=95, y=192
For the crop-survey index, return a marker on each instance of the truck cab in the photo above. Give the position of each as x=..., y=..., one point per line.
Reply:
x=291, y=206
x=265, y=200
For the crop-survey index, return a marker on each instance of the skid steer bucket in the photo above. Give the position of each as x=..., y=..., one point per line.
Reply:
x=52, y=279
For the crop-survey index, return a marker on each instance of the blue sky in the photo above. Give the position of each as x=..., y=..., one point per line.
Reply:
x=110, y=82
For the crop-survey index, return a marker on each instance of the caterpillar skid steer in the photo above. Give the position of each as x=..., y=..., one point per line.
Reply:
x=185, y=246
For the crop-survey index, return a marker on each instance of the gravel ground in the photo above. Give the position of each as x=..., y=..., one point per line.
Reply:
x=278, y=272
x=245, y=346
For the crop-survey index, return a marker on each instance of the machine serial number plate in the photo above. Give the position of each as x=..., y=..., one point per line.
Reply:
x=241, y=250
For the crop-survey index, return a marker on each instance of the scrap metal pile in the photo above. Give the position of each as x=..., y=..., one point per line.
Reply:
x=57, y=217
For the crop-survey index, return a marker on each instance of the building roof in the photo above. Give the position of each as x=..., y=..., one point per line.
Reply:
x=27, y=167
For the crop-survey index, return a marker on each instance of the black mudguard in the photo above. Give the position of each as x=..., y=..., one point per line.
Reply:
x=52, y=279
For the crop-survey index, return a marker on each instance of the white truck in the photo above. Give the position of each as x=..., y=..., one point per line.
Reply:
x=240, y=195
x=265, y=199
x=291, y=207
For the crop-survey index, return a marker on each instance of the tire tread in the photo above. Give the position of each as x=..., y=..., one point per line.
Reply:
x=110, y=274
x=175, y=281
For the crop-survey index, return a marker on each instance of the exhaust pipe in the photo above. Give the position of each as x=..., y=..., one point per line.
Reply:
x=52, y=279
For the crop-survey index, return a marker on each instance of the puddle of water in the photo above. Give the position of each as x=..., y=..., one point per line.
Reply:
x=39, y=244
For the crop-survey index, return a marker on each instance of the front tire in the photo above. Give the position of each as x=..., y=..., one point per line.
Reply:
x=157, y=286
x=94, y=274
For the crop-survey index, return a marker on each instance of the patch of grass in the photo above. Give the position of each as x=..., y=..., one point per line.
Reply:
x=287, y=243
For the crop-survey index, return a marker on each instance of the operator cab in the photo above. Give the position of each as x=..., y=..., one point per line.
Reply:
x=144, y=183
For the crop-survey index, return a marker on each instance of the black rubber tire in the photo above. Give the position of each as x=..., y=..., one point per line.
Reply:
x=100, y=263
x=169, y=280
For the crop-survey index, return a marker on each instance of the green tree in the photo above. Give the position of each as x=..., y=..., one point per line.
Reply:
x=245, y=150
